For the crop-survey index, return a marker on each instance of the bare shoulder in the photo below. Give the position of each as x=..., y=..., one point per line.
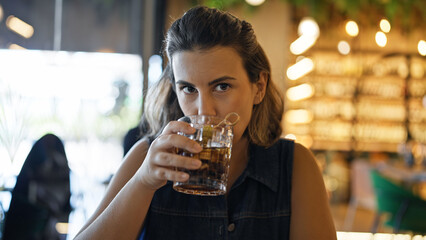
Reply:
x=304, y=163
x=307, y=180
x=310, y=217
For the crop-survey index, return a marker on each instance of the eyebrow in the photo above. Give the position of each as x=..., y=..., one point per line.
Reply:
x=217, y=80
x=221, y=79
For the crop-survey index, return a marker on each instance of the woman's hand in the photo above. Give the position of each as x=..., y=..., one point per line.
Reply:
x=161, y=160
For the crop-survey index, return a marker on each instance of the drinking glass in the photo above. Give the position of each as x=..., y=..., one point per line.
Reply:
x=215, y=136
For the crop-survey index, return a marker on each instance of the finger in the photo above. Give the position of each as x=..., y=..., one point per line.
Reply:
x=172, y=141
x=171, y=174
x=178, y=126
x=174, y=160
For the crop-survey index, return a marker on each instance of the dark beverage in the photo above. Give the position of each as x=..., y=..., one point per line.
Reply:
x=215, y=136
x=211, y=177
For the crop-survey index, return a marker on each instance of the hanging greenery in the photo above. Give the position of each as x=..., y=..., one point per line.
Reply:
x=405, y=13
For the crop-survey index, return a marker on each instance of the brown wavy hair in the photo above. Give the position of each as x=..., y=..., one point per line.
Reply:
x=203, y=28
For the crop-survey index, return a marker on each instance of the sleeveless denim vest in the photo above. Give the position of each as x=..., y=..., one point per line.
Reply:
x=257, y=207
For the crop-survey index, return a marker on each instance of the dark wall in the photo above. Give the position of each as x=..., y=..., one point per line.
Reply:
x=91, y=26
x=87, y=25
x=39, y=14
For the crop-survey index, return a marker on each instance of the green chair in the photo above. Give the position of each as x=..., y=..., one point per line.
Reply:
x=405, y=210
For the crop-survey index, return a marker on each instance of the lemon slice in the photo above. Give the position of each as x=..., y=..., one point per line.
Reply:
x=207, y=133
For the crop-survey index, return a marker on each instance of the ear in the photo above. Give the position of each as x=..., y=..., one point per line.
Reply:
x=260, y=86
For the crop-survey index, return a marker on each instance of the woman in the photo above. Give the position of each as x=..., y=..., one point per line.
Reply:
x=275, y=190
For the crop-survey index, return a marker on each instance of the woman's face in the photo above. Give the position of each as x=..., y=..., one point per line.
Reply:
x=214, y=82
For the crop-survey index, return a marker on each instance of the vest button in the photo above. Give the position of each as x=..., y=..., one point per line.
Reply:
x=231, y=227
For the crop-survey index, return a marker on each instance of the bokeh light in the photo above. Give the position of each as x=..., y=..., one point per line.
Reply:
x=381, y=39
x=352, y=28
x=385, y=25
x=343, y=47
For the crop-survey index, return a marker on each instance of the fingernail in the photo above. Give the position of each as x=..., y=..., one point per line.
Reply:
x=183, y=176
x=198, y=147
x=196, y=163
x=192, y=129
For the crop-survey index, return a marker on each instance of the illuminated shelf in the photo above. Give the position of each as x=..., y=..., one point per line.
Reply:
x=363, y=102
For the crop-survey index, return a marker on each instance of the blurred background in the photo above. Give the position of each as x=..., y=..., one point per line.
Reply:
x=353, y=74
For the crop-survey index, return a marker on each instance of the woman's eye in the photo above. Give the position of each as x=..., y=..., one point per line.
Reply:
x=222, y=87
x=188, y=89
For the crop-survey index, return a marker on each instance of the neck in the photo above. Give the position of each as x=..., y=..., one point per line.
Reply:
x=240, y=150
x=239, y=159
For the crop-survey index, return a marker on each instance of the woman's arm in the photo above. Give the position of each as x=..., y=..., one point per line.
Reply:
x=310, y=211
x=123, y=209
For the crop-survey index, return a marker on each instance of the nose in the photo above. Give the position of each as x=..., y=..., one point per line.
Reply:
x=206, y=105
